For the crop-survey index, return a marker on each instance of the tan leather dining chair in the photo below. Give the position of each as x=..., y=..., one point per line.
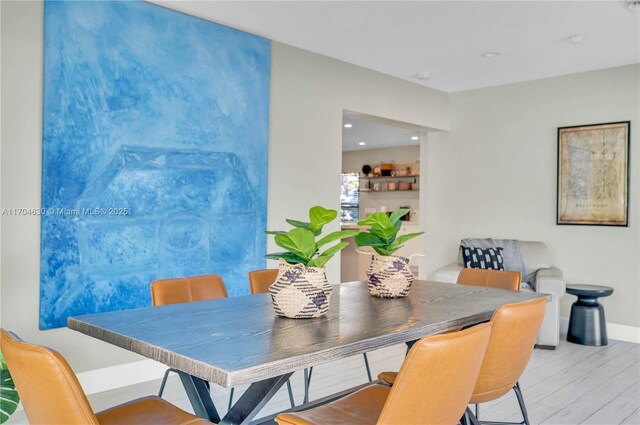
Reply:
x=499, y=279
x=187, y=289
x=184, y=290
x=51, y=394
x=260, y=280
x=433, y=386
x=515, y=327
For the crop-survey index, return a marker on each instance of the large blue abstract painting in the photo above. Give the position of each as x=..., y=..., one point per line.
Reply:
x=156, y=128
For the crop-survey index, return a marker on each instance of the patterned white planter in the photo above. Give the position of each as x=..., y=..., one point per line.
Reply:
x=300, y=292
x=389, y=276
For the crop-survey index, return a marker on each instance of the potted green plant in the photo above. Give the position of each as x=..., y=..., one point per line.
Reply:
x=388, y=275
x=301, y=290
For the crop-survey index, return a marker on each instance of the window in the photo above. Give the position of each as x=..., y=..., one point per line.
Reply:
x=350, y=197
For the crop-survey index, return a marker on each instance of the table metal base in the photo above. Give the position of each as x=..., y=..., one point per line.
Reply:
x=243, y=411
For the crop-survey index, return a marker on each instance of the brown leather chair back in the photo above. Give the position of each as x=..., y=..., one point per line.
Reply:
x=514, y=332
x=492, y=278
x=187, y=289
x=260, y=280
x=48, y=388
x=436, y=379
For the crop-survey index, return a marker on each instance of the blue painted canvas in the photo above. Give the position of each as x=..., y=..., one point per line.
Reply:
x=156, y=128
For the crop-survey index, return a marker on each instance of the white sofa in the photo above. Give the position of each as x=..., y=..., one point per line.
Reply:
x=538, y=275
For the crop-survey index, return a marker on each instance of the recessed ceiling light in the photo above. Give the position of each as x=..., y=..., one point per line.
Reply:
x=490, y=55
x=348, y=125
x=423, y=75
x=361, y=143
x=414, y=138
x=576, y=38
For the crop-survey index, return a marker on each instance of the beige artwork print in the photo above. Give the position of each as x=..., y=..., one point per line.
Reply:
x=593, y=175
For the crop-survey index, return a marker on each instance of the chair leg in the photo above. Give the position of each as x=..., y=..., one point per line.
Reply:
x=366, y=364
x=164, y=382
x=290, y=391
x=307, y=384
x=230, y=399
x=469, y=418
x=523, y=408
x=477, y=411
x=464, y=420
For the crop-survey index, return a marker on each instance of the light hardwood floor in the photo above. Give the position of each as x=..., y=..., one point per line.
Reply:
x=571, y=385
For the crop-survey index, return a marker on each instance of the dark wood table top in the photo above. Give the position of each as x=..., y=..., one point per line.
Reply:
x=239, y=340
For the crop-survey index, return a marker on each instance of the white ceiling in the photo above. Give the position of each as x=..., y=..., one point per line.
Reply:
x=375, y=134
x=444, y=38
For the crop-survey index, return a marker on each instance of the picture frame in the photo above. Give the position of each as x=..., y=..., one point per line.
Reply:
x=593, y=174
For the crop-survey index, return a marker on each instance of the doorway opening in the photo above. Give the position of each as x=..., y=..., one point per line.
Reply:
x=380, y=173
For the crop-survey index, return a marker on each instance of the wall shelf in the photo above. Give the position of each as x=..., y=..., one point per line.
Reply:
x=390, y=177
x=397, y=190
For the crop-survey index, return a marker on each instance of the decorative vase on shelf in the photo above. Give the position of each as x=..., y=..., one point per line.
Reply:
x=388, y=276
x=300, y=292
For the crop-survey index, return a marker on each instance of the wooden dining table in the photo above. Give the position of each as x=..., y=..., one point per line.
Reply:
x=240, y=340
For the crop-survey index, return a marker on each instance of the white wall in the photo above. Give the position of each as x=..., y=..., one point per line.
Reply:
x=494, y=175
x=309, y=93
x=352, y=162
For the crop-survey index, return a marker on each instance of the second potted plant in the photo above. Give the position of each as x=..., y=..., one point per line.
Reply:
x=301, y=290
x=388, y=275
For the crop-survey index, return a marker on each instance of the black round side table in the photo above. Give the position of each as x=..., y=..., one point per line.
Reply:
x=586, y=324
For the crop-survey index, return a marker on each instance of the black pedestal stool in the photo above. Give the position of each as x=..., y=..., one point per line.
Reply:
x=586, y=324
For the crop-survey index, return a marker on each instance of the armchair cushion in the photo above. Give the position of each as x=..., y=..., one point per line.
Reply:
x=536, y=256
x=550, y=281
x=448, y=273
x=482, y=258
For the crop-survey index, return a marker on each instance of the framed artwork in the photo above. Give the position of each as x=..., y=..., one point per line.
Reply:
x=593, y=174
x=154, y=156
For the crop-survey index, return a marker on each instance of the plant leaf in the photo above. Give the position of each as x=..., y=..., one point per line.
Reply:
x=403, y=238
x=322, y=259
x=9, y=397
x=392, y=248
x=275, y=232
x=335, y=236
x=303, y=225
x=377, y=220
x=287, y=256
x=319, y=216
x=298, y=224
x=369, y=239
x=383, y=250
x=388, y=233
x=301, y=242
x=397, y=215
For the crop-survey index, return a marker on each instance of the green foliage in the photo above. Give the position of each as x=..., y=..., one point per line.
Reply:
x=382, y=234
x=300, y=242
x=9, y=397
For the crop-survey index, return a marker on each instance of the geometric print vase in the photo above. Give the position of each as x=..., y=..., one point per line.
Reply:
x=300, y=292
x=389, y=276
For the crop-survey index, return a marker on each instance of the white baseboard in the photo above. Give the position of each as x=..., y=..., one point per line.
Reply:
x=614, y=331
x=109, y=378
